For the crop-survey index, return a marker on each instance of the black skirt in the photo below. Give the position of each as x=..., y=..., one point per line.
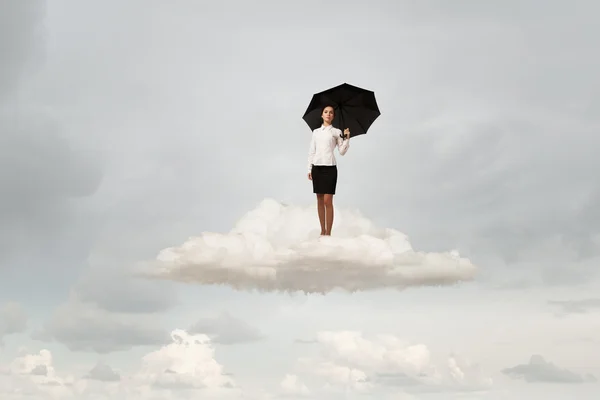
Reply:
x=324, y=179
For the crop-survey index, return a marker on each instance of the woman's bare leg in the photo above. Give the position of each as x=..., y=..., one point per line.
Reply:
x=328, y=202
x=321, y=210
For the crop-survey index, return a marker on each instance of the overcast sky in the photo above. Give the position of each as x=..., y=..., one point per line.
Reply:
x=129, y=127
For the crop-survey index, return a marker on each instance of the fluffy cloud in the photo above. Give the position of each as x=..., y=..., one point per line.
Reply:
x=186, y=363
x=188, y=368
x=293, y=386
x=350, y=361
x=34, y=376
x=276, y=247
x=540, y=370
x=183, y=369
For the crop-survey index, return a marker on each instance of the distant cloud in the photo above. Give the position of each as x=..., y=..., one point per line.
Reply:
x=117, y=290
x=305, y=341
x=35, y=375
x=364, y=364
x=104, y=373
x=40, y=370
x=86, y=328
x=292, y=385
x=13, y=319
x=185, y=366
x=276, y=247
x=539, y=370
x=20, y=41
x=226, y=329
x=187, y=362
x=577, y=306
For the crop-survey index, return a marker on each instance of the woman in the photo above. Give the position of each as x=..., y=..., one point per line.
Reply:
x=322, y=168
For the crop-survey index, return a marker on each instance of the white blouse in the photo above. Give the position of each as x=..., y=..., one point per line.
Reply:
x=323, y=142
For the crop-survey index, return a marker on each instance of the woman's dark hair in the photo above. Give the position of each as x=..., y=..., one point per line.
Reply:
x=323, y=109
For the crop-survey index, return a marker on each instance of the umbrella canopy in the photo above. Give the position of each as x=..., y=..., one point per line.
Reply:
x=355, y=108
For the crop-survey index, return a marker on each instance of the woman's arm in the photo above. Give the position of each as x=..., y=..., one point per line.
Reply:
x=311, y=152
x=343, y=143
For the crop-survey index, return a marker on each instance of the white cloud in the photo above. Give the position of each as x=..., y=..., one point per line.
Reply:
x=292, y=385
x=34, y=376
x=353, y=362
x=342, y=376
x=187, y=362
x=185, y=368
x=276, y=247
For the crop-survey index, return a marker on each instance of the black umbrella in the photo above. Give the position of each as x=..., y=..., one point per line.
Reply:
x=355, y=108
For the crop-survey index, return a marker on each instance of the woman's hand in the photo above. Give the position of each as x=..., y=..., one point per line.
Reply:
x=309, y=176
x=347, y=133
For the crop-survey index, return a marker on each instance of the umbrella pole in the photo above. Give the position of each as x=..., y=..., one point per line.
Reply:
x=341, y=122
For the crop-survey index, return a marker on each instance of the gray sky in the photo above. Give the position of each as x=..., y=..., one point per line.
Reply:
x=129, y=127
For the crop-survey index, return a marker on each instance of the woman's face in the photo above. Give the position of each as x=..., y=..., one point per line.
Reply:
x=328, y=114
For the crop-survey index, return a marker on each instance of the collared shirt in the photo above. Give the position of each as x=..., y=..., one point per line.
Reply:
x=323, y=142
